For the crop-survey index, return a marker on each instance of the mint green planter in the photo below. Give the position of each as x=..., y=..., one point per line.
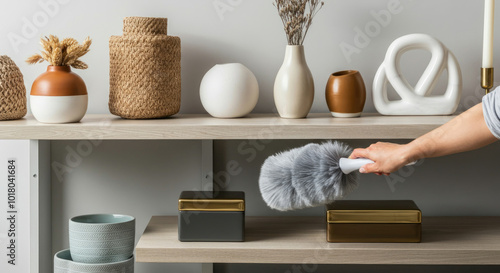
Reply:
x=63, y=263
x=101, y=238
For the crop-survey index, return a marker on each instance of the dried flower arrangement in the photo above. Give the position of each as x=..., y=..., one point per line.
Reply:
x=297, y=17
x=62, y=53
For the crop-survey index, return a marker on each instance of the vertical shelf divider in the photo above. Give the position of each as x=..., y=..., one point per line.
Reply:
x=207, y=182
x=40, y=207
x=207, y=165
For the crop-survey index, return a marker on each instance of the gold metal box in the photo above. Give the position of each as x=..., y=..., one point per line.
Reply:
x=397, y=221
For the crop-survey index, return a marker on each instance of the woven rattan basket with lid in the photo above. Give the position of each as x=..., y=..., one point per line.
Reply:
x=145, y=70
x=12, y=90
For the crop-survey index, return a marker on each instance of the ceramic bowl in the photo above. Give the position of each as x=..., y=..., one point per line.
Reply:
x=63, y=263
x=101, y=238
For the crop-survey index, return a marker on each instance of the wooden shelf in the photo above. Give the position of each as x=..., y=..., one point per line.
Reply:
x=257, y=126
x=292, y=240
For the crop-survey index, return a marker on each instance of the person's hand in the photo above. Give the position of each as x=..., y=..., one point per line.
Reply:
x=388, y=157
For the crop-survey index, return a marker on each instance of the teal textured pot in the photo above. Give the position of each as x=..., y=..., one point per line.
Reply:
x=101, y=238
x=63, y=263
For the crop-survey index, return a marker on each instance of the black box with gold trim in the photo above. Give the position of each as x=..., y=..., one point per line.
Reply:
x=398, y=221
x=211, y=216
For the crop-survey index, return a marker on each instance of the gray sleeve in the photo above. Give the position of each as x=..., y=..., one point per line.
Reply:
x=491, y=110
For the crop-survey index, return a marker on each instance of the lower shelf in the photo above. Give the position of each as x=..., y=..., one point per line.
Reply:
x=299, y=240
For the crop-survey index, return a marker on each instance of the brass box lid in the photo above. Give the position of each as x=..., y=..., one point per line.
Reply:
x=373, y=212
x=210, y=201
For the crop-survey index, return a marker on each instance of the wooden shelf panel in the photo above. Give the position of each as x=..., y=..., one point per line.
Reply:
x=257, y=126
x=292, y=240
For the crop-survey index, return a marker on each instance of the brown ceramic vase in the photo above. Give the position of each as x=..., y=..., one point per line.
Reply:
x=346, y=94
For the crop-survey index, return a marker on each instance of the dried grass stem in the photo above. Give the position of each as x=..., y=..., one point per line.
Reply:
x=297, y=17
x=62, y=53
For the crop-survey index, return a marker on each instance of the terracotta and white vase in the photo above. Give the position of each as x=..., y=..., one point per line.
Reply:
x=229, y=91
x=294, y=85
x=58, y=96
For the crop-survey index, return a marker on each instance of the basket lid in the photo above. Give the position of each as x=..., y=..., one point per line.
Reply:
x=209, y=201
x=145, y=26
x=379, y=211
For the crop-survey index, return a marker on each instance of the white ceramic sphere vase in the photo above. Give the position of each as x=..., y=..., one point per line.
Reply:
x=418, y=100
x=229, y=91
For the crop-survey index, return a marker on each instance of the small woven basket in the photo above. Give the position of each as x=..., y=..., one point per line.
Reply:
x=12, y=90
x=145, y=70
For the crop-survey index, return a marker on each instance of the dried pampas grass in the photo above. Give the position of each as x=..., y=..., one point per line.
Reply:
x=297, y=17
x=62, y=53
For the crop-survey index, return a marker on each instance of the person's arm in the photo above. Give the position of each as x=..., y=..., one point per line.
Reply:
x=468, y=131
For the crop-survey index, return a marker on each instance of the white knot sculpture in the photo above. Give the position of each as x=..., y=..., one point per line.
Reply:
x=418, y=100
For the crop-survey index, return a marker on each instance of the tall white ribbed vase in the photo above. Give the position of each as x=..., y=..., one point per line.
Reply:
x=294, y=85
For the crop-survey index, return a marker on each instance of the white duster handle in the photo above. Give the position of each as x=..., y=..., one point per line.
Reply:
x=350, y=165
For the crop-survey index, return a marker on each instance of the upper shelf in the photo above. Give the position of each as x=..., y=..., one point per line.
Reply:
x=256, y=126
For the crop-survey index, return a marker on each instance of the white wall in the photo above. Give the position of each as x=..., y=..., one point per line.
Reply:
x=250, y=33
x=145, y=178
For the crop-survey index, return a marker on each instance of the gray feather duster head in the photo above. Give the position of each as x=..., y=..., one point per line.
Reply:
x=275, y=180
x=304, y=177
